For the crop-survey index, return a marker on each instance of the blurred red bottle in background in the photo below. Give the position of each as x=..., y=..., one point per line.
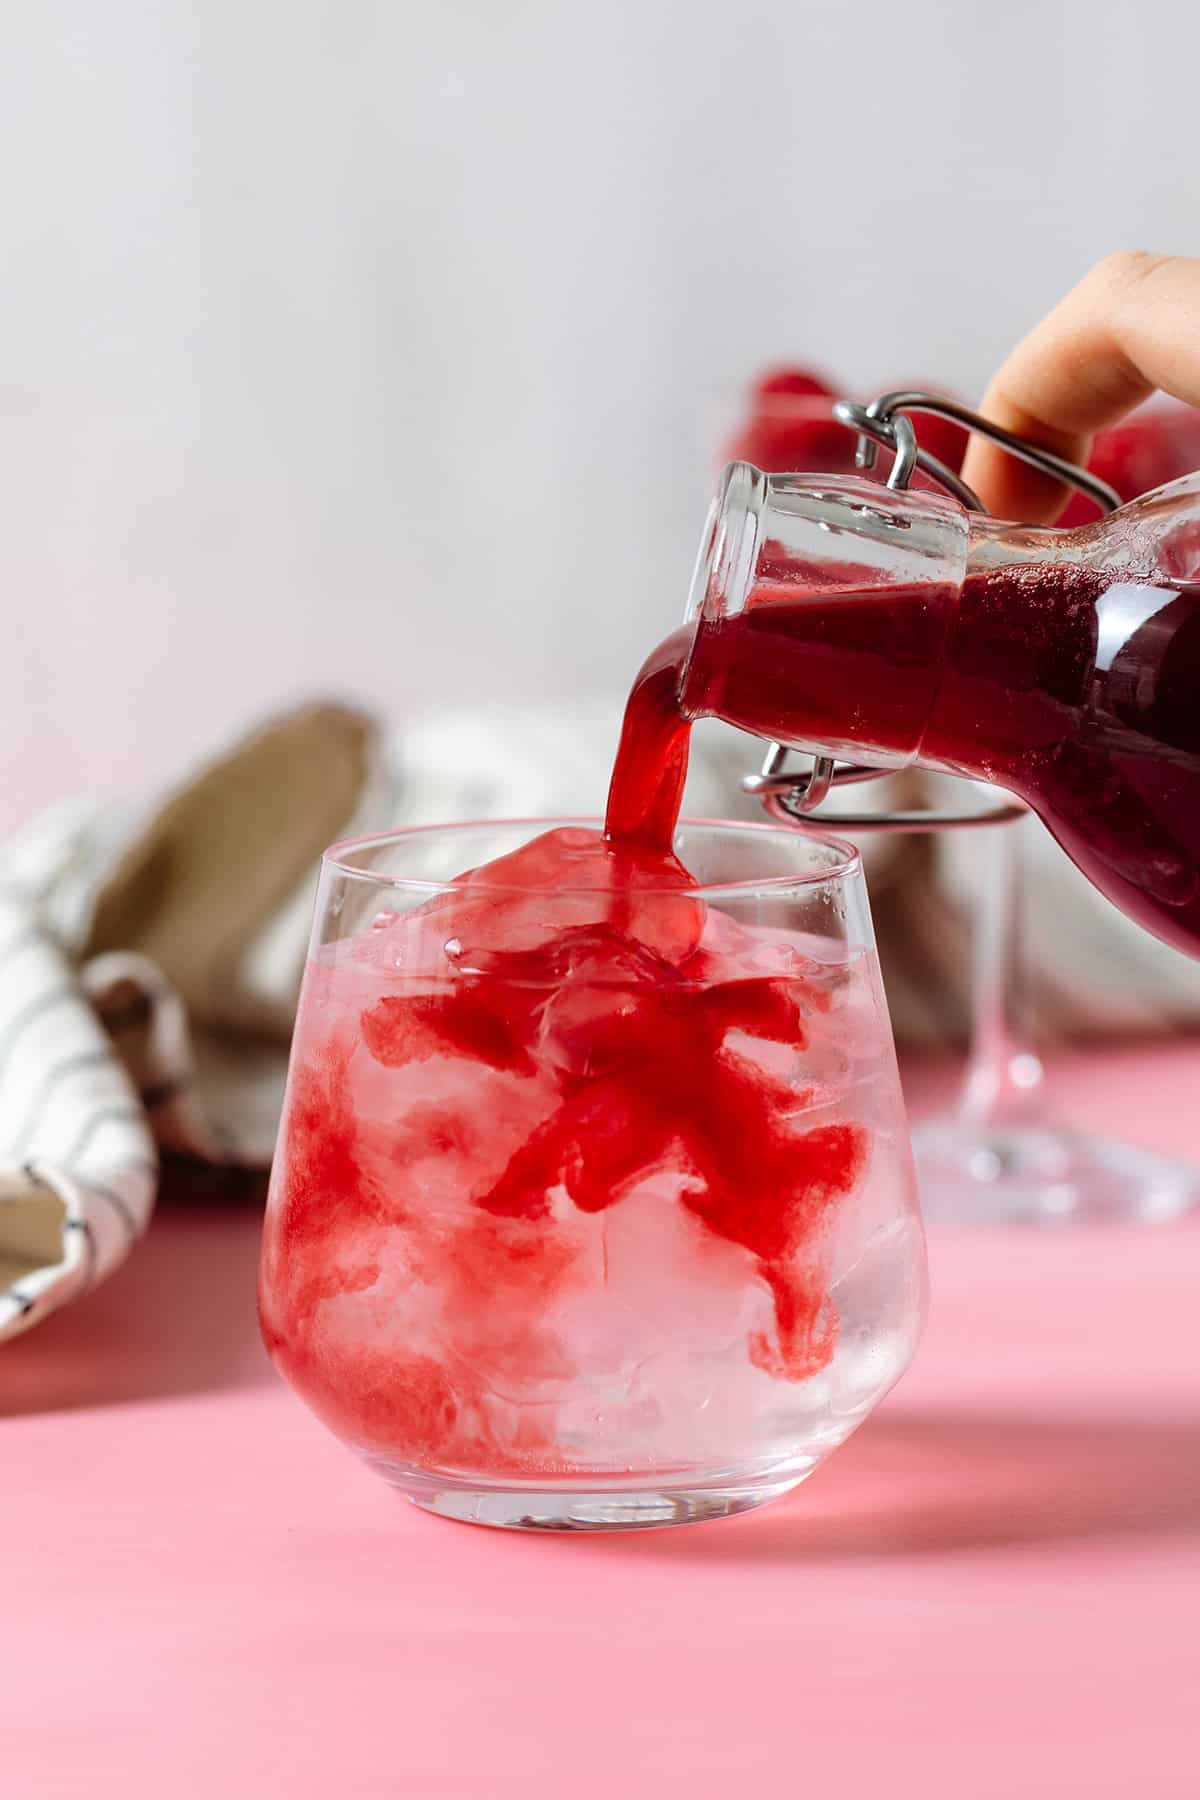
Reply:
x=789, y=426
x=1155, y=444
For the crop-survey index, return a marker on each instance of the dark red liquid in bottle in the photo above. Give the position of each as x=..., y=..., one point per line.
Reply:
x=1078, y=692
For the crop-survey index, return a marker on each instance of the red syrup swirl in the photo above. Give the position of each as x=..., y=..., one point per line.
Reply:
x=581, y=981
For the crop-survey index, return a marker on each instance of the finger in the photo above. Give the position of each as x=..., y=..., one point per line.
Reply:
x=1131, y=325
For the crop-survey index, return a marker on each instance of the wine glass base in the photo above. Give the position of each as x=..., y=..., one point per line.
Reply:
x=975, y=1174
x=525, y=1510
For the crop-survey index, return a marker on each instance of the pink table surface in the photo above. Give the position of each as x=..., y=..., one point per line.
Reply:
x=993, y=1590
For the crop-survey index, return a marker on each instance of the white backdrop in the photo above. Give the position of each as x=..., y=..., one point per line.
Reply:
x=375, y=347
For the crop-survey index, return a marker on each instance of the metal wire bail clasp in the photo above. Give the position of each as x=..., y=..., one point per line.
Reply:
x=885, y=421
x=793, y=798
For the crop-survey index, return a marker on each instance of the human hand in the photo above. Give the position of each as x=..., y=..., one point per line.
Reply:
x=1131, y=326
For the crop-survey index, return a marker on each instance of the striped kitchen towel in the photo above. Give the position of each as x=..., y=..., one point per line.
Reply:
x=78, y=1165
x=149, y=963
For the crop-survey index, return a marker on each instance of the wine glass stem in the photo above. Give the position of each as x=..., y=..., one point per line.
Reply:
x=1004, y=1073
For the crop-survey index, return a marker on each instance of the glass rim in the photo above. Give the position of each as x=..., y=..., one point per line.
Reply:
x=847, y=865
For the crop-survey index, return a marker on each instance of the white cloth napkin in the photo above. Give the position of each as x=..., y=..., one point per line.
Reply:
x=149, y=964
x=150, y=957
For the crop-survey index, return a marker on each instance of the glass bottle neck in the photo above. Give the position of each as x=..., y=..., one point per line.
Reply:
x=822, y=608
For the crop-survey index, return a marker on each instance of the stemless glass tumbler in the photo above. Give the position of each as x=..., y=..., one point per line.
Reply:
x=604, y=1218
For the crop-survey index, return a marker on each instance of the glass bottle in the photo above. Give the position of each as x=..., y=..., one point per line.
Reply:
x=836, y=616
